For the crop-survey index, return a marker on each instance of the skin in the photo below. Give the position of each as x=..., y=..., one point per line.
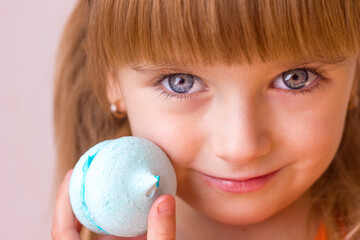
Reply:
x=239, y=123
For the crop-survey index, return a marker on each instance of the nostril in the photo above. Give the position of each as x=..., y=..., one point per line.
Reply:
x=245, y=152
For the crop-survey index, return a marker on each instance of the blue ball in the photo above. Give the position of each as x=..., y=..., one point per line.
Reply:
x=114, y=184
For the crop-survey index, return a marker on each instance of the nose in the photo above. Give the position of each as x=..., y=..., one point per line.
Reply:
x=240, y=132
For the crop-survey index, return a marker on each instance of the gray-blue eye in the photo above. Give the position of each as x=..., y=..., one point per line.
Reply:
x=295, y=79
x=182, y=83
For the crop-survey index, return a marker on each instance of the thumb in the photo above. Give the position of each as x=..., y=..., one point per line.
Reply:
x=161, y=219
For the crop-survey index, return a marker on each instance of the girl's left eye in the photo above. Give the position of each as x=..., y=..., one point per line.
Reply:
x=295, y=79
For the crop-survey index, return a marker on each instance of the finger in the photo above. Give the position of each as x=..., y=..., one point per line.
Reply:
x=65, y=225
x=161, y=220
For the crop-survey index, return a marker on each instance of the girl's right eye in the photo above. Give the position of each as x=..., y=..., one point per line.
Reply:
x=181, y=83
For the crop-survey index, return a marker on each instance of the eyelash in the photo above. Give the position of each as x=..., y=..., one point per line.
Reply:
x=180, y=97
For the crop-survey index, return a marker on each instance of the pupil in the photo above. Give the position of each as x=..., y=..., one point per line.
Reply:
x=296, y=79
x=181, y=83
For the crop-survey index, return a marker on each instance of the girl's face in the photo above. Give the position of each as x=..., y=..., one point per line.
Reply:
x=270, y=130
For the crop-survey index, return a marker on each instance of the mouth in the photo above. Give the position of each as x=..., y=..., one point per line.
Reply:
x=238, y=185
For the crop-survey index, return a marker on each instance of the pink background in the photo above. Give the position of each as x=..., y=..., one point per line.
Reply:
x=29, y=35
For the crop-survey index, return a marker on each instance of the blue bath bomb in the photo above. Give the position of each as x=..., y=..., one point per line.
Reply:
x=114, y=184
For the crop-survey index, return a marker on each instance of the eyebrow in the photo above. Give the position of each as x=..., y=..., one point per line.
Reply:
x=149, y=69
x=152, y=68
x=315, y=62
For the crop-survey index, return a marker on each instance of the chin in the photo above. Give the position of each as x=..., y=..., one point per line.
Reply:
x=237, y=218
x=233, y=213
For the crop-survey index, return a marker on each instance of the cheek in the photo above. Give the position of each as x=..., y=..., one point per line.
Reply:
x=178, y=135
x=315, y=138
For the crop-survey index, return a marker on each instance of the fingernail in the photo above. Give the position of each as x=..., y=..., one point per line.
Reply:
x=166, y=206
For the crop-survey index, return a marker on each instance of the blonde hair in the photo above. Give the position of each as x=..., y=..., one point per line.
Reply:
x=100, y=36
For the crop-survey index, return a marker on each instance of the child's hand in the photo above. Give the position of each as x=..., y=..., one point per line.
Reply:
x=161, y=219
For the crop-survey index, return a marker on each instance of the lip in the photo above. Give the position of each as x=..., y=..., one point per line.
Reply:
x=239, y=185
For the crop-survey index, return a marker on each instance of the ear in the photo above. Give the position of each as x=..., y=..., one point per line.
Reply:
x=114, y=94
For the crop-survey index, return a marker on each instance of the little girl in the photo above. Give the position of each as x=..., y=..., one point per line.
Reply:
x=254, y=101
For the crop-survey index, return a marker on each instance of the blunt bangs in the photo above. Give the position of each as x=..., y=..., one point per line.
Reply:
x=228, y=31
